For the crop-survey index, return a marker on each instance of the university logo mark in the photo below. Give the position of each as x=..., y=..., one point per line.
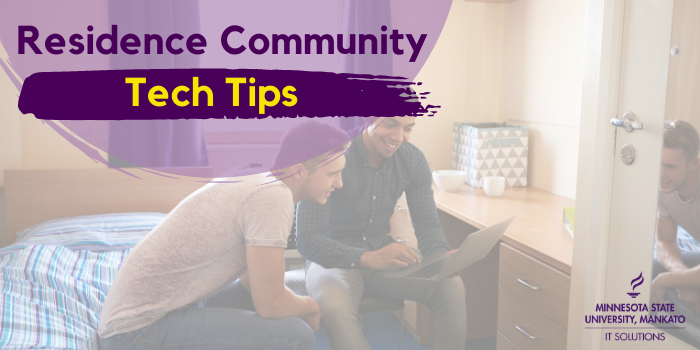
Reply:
x=636, y=283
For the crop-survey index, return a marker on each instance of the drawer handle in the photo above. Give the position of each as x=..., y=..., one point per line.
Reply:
x=400, y=208
x=527, y=284
x=524, y=333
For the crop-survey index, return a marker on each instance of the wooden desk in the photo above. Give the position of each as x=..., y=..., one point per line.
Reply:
x=537, y=232
x=536, y=249
x=538, y=229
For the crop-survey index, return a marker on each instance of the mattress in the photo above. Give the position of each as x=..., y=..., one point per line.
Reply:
x=55, y=277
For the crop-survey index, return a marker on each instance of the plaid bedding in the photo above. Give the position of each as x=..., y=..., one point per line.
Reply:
x=52, y=296
x=686, y=242
x=94, y=232
x=55, y=278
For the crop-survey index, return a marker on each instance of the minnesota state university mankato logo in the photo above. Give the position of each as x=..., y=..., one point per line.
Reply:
x=634, y=286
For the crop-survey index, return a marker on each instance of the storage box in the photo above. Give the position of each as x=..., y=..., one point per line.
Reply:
x=491, y=149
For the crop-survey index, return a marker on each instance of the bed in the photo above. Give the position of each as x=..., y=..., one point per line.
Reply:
x=68, y=231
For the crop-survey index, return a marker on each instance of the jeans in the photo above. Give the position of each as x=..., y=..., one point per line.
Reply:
x=690, y=259
x=691, y=328
x=338, y=292
x=225, y=321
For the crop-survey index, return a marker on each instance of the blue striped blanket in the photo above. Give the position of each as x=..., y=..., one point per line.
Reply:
x=686, y=242
x=54, y=279
x=94, y=232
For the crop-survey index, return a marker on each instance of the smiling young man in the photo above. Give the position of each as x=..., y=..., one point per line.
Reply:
x=679, y=204
x=345, y=241
x=230, y=229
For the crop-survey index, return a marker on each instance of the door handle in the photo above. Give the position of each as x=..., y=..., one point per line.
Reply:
x=628, y=122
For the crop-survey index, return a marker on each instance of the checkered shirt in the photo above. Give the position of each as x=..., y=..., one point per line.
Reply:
x=357, y=216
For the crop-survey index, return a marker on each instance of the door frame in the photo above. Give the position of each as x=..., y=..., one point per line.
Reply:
x=601, y=81
x=601, y=73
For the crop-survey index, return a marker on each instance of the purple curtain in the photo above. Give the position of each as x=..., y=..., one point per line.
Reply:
x=156, y=143
x=367, y=17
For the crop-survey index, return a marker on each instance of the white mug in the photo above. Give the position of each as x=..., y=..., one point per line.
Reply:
x=493, y=185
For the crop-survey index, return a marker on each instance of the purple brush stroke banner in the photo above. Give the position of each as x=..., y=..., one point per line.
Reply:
x=229, y=142
x=206, y=94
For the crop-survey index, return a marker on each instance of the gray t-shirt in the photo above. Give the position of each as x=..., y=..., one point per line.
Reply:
x=197, y=250
x=685, y=214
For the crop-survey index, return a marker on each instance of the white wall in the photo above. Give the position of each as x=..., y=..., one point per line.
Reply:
x=10, y=142
x=462, y=74
x=684, y=69
x=25, y=142
x=542, y=86
x=553, y=157
x=519, y=62
x=10, y=150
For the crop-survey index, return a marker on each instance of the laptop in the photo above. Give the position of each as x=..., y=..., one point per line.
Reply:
x=474, y=248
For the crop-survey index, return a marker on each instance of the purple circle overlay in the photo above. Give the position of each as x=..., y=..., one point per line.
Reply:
x=186, y=146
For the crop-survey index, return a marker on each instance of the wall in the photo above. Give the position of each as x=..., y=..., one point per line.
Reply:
x=519, y=62
x=10, y=142
x=684, y=69
x=542, y=86
x=462, y=74
x=26, y=142
x=10, y=149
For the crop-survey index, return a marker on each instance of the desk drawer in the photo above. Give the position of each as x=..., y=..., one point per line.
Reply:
x=503, y=343
x=548, y=290
x=401, y=211
x=527, y=328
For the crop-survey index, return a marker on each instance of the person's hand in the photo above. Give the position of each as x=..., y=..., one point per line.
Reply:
x=389, y=256
x=658, y=289
x=313, y=318
x=690, y=297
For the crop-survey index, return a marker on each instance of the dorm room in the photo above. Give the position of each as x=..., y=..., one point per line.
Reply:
x=68, y=222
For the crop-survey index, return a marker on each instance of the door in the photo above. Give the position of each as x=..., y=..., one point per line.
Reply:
x=638, y=90
x=644, y=63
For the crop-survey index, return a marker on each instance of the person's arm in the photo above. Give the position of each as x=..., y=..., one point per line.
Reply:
x=266, y=219
x=421, y=206
x=688, y=278
x=667, y=251
x=687, y=282
x=315, y=245
x=313, y=241
x=270, y=296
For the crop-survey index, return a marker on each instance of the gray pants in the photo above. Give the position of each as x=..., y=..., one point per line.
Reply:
x=338, y=292
x=224, y=322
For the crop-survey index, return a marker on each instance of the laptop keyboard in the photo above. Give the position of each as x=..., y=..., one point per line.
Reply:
x=432, y=269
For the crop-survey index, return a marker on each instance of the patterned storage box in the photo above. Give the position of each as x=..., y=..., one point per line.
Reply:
x=491, y=149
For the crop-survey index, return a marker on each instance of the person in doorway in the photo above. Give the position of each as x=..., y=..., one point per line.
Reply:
x=679, y=205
